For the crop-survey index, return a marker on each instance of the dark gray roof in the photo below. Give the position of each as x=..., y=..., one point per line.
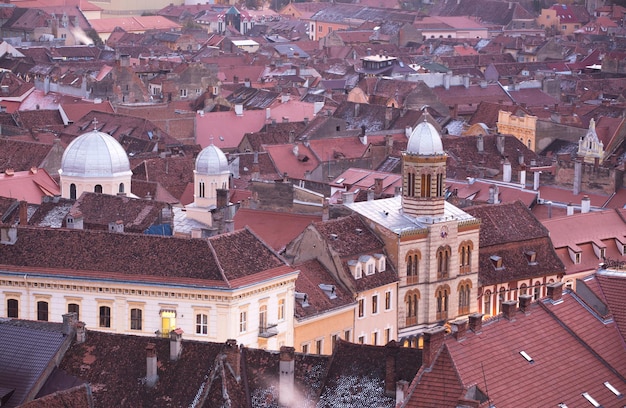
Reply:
x=27, y=349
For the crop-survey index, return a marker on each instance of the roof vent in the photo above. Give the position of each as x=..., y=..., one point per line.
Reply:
x=591, y=400
x=613, y=389
x=359, y=231
x=329, y=290
x=334, y=237
x=527, y=357
x=303, y=299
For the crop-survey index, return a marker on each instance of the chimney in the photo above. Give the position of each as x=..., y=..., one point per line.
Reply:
x=524, y=303
x=520, y=158
x=286, y=380
x=578, y=176
x=23, y=212
x=555, y=291
x=295, y=149
x=402, y=390
x=390, y=369
x=500, y=144
x=233, y=357
x=363, y=136
x=509, y=308
x=522, y=176
x=585, y=204
x=256, y=171
x=433, y=340
x=459, y=329
x=357, y=109
x=388, y=116
x=389, y=144
x=80, y=332
x=397, y=191
x=378, y=186
x=117, y=226
x=570, y=209
x=229, y=226
x=221, y=197
x=506, y=170
x=176, y=344
x=326, y=209
x=476, y=322
x=480, y=144
x=536, y=180
x=446, y=80
x=370, y=195
x=348, y=197
x=69, y=323
x=239, y=109
x=407, y=131
x=494, y=194
x=151, y=365
x=466, y=81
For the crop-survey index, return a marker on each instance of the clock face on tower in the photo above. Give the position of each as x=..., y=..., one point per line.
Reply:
x=444, y=232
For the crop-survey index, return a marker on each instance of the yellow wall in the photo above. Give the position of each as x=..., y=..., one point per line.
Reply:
x=522, y=127
x=323, y=327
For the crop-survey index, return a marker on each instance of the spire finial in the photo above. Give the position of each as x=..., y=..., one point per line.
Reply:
x=95, y=123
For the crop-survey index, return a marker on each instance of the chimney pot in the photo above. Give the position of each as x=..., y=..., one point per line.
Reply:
x=286, y=378
x=433, y=340
x=476, y=322
x=459, y=329
x=555, y=291
x=509, y=308
x=524, y=303
x=151, y=365
x=233, y=357
x=176, y=346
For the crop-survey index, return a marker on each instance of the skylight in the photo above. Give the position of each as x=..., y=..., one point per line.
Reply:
x=562, y=405
x=527, y=357
x=613, y=389
x=591, y=400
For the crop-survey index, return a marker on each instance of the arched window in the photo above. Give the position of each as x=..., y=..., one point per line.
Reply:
x=410, y=187
x=537, y=291
x=97, y=188
x=443, y=262
x=501, y=297
x=440, y=185
x=465, y=289
x=465, y=256
x=74, y=308
x=425, y=185
x=121, y=188
x=13, y=308
x=411, y=300
x=42, y=310
x=105, y=316
x=201, y=190
x=442, y=295
x=487, y=302
x=523, y=289
x=73, y=191
x=412, y=267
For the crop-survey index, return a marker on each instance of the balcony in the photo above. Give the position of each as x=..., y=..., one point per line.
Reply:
x=268, y=330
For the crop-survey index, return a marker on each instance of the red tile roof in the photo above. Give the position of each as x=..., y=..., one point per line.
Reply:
x=30, y=186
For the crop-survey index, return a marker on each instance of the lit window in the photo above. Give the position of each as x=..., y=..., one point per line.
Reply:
x=281, y=309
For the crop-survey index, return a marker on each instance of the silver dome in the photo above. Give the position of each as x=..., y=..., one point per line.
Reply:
x=94, y=154
x=425, y=140
x=212, y=160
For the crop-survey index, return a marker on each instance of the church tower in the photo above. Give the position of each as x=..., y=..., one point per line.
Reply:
x=424, y=172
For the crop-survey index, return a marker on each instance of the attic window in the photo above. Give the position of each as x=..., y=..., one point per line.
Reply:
x=302, y=298
x=329, y=290
x=531, y=257
x=497, y=261
x=333, y=237
x=527, y=357
x=613, y=389
x=591, y=400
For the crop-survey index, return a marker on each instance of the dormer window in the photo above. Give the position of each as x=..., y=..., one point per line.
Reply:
x=531, y=257
x=367, y=263
x=496, y=261
x=381, y=263
x=577, y=258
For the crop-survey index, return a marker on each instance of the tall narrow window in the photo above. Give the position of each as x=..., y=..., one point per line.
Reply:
x=74, y=308
x=136, y=319
x=243, y=322
x=42, y=311
x=121, y=188
x=201, y=190
x=73, y=191
x=410, y=179
x=388, y=300
x=13, y=308
x=97, y=188
x=523, y=289
x=411, y=302
x=105, y=316
x=202, y=323
x=464, y=298
x=263, y=318
x=374, y=304
x=281, y=309
x=318, y=346
x=487, y=303
x=440, y=185
x=442, y=303
x=443, y=262
x=412, y=267
x=537, y=291
x=425, y=185
x=361, y=307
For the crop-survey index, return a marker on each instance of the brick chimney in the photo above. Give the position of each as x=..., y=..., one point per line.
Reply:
x=555, y=291
x=390, y=369
x=69, y=323
x=476, y=322
x=459, y=329
x=151, y=365
x=326, y=209
x=233, y=357
x=176, y=344
x=509, y=308
x=222, y=197
x=80, y=332
x=378, y=186
x=286, y=379
x=23, y=212
x=524, y=303
x=433, y=340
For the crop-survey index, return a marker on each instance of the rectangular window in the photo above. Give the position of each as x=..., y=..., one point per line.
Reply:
x=318, y=346
x=334, y=341
x=346, y=335
x=320, y=29
x=375, y=338
x=370, y=269
x=305, y=349
x=243, y=316
x=281, y=309
x=13, y=308
x=361, y=307
x=74, y=308
x=135, y=319
x=388, y=300
x=374, y=304
x=202, y=323
x=387, y=335
x=183, y=93
x=105, y=316
x=361, y=339
x=42, y=311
